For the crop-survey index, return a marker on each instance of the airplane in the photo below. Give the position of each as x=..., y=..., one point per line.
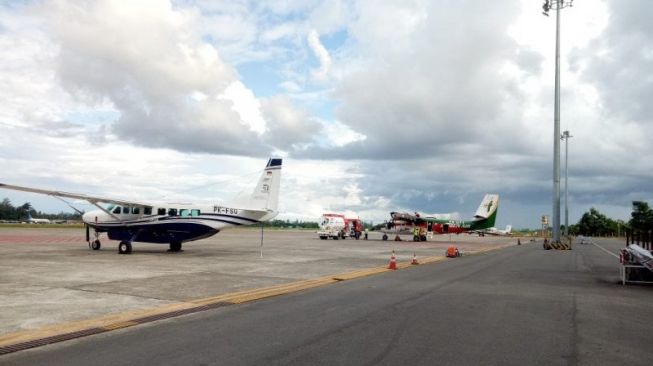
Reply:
x=31, y=220
x=402, y=223
x=172, y=223
x=496, y=232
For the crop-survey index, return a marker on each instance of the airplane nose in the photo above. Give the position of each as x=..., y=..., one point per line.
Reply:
x=90, y=217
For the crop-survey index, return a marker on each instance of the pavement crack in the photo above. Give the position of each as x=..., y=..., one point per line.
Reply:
x=117, y=293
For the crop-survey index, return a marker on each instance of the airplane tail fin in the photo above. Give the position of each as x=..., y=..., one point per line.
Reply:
x=486, y=214
x=266, y=194
x=508, y=229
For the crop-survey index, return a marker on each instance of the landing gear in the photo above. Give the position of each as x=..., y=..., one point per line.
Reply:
x=175, y=246
x=385, y=237
x=93, y=244
x=124, y=247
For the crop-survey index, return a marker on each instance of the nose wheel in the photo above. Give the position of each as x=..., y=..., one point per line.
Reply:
x=95, y=244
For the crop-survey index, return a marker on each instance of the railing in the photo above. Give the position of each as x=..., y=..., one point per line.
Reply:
x=643, y=238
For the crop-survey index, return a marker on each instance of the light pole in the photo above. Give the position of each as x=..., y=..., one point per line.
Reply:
x=556, y=5
x=565, y=136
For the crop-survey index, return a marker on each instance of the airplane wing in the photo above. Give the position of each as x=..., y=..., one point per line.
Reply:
x=91, y=199
x=404, y=216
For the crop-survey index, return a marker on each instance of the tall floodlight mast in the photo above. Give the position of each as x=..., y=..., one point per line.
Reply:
x=556, y=5
x=565, y=136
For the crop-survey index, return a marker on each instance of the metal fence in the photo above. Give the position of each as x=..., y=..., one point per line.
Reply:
x=643, y=238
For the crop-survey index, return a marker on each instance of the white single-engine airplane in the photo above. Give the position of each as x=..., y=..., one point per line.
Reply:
x=31, y=220
x=496, y=232
x=172, y=223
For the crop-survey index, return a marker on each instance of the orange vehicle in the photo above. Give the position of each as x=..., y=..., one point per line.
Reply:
x=453, y=252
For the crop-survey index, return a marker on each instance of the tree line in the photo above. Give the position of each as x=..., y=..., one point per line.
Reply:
x=594, y=223
x=9, y=212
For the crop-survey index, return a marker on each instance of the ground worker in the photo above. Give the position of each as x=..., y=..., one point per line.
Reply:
x=366, y=232
x=416, y=234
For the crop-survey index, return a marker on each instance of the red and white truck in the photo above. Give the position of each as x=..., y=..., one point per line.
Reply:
x=337, y=226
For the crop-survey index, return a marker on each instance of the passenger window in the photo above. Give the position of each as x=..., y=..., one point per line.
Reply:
x=183, y=212
x=136, y=210
x=147, y=210
x=172, y=212
x=116, y=210
x=161, y=211
x=126, y=210
x=194, y=213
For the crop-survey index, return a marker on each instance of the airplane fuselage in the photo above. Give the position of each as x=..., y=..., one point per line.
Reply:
x=427, y=225
x=165, y=223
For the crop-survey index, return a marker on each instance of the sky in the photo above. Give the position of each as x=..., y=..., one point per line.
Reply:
x=375, y=106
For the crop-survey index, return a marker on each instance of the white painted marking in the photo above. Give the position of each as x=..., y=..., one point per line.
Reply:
x=605, y=250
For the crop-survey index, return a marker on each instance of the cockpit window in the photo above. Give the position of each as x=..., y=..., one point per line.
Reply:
x=111, y=206
x=116, y=210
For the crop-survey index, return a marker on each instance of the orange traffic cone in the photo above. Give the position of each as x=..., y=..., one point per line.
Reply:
x=393, y=261
x=414, y=261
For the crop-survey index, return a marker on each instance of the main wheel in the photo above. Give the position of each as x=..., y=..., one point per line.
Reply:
x=422, y=238
x=95, y=245
x=124, y=247
x=385, y=237
x=175, y=246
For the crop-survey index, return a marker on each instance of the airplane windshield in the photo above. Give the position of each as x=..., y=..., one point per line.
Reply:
x=110, y=206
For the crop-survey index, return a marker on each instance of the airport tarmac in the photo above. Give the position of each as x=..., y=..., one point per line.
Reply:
x=48, y=276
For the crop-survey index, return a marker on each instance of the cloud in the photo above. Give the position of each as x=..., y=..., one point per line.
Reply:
x=424, y=83
x=287, y=127
x=320, y=74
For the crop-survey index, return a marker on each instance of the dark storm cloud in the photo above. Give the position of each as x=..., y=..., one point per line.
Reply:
x=619, y=63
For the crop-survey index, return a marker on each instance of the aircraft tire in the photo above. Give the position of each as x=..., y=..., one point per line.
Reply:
x=95, y=245
x=385, y=237
x=422, y=238
x=124, y=247
x=175, y=246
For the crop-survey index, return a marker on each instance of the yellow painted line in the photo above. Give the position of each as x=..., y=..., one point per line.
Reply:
x=427, y=260
x=119, y=325
x=102, y=322
x=360, y=273
x=270, y=292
